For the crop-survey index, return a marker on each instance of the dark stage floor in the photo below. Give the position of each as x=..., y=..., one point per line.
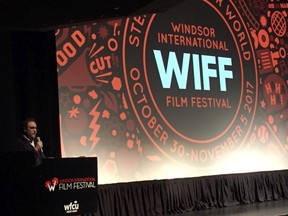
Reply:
x=271, y=208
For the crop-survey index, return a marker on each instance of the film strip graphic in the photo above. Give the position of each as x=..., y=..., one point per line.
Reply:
x=249, y=15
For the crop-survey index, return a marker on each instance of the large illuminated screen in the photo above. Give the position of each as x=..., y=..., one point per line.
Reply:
x=200, y=89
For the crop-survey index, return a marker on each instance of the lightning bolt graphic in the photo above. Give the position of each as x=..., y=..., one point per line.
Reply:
x=94, y=126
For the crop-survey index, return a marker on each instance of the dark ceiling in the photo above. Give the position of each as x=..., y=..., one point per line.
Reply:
x=41, y=15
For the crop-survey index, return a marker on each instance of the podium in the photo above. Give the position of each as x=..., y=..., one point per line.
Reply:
x=64, y=186
x=68, y=186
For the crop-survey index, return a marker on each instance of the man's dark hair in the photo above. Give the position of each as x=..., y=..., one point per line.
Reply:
x=26, y=121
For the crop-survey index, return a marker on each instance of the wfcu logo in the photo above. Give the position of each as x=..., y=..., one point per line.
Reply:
x=70, y=184
x=72, y=207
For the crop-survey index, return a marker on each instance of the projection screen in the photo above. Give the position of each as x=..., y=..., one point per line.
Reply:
x=200, y=89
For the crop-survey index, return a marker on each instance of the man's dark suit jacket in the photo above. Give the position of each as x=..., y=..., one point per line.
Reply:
x=23, y=144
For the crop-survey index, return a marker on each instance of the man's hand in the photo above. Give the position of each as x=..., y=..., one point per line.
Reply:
x=39, y=144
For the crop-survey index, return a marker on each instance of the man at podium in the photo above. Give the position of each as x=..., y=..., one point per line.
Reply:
x=28, y=140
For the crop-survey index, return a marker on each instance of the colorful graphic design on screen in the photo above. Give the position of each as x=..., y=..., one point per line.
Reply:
x=174, y=94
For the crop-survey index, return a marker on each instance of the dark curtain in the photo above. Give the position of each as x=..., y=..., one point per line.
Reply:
x=168, y=197
x=7, y=92
x=29, y=87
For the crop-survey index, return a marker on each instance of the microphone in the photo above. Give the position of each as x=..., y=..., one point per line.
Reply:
x=39, y=140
